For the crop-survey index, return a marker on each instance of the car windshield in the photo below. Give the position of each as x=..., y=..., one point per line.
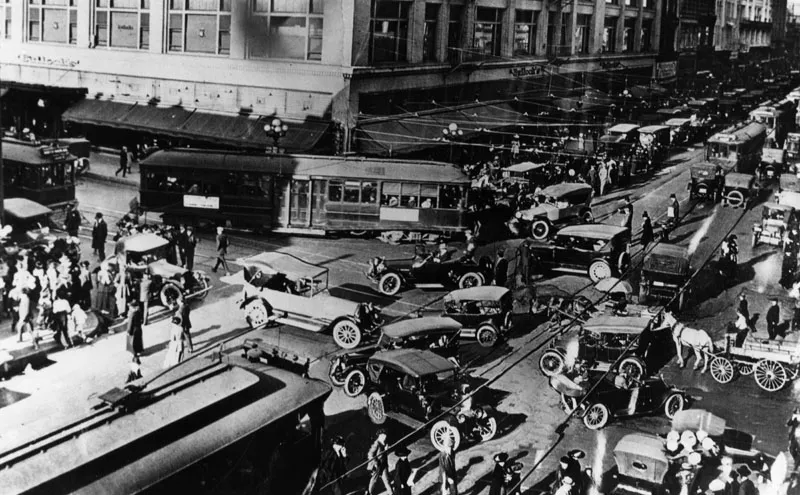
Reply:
x=439, y=382
x=773, y=214
x=473, y=307
x=792, y=146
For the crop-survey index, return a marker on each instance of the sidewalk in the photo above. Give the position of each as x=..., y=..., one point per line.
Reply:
x=103, y=164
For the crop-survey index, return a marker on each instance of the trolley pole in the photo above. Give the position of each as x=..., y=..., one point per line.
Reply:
x=2, y=182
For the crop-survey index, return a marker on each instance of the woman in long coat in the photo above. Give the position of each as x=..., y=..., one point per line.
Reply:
x=134, y=342
x=177, y=345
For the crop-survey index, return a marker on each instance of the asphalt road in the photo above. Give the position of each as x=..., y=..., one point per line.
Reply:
x=529, y=410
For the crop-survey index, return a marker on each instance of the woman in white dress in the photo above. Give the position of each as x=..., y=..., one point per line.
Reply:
x=177, y=346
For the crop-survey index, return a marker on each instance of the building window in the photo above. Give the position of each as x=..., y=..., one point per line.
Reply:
x=631, y=3
x=6, y=19
x=647, y=32
x=122, y=23
x=557, y=43
x=454, y=27
x=582, y=30
x=53, y=21
x=610, y=35
x=431, y=31
x=525, y=32
x=389, y=31
x=199, y=26
x=283, y=29
x=628, y=35
x=612, y=2
x=488, y=32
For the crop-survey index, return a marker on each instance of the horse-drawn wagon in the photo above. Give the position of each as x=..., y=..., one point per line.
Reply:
x=772, y=364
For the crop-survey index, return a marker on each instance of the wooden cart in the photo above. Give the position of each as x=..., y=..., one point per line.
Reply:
x=772, y=364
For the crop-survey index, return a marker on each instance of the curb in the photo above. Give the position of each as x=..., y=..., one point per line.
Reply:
x=112, y=180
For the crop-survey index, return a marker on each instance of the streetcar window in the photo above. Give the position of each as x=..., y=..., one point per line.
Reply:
x=449, y=197
x=390, y=196
x=334, y=191
x=369, y=192
x=352, y=190
x=30, y=178
x=429, y=194
x=69, y=177
x=229, y=184
x=410, y=196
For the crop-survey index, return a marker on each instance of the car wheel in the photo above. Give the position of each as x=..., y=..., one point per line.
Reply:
x=170, y=293
x=486, y=336
x=674, y=404
x=201, y=289
x=375, y=408
x=354, y=383
x=596, y=417
x=442, y=429
x=633, y=367
x=599, y=270
x=335, y=373
x=540, y=229
x=487, y=428
x=389, y=284
x=587, y=216
x=551, y=363
x=346, y=334
x=568, y=403
x=469, y=279
x=623, y=262
x=735, y=198
x=508, y=320
x=256, y=313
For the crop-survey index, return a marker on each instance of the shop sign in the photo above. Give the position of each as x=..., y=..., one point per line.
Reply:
x=205, y=202
x=666, y=70
x=533, y=70
x=48, y=61
x=54, y=151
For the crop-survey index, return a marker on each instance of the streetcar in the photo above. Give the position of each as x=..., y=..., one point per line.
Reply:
x=305, y=194
x=779, y=119
x=44, y=174
x=228, y=424
x=737, y=148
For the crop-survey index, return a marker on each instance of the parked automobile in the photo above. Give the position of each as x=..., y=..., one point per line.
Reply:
x=525, y=173
x=705, y=183
x=773, y=163
x=775, y=221
x=413, y=386
x=656, y=142
x=604, y=401
x=603, y=340
x=485, y=312
x=739, y=190
x=665, y=270
x=26, y=222
x=788, y=182
x=142, y=253
x=618, y=138
x=437, y=334
x=642, y=467
x=392, y=275
x=283, y=288
x=559, y=204
x=680, y=131
x=598, y=250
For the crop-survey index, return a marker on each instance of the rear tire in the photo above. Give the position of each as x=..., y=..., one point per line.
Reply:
x=633, y=366
x=540, y=229
x=375, y=408
x=470, y=279
x=674, y=404
x=354, y=383
x=346, y=334
x=169, y=294
x=390, y=284
x=551, y=363
x=596, y=417
x=442, y=429
x=599, y=270
x=486, y=336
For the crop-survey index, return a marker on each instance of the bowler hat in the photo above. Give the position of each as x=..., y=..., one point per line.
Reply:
x=402, y=451
x=501, y=457
x=337, y=440
x=576, y=454
x=743, y=470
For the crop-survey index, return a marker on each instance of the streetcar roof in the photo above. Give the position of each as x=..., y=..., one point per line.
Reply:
x=739, y=133
x=414, y=362
x=29, y=154
x=288, y=264
x=415, y=326
x=23, y=208
x=309, y=165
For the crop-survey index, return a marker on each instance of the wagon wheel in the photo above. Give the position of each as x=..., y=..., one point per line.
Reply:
x=745, y=368
x=442, y=429
x=722, y=369
x=551, y=363
x=770, y=375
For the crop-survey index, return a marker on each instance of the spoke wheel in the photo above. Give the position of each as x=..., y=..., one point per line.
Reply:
x=375, y=408
x=469, y=279
x=673, y=404
x=745, y=369
x=486, y=335
x=770, y=375
x=722, y=369
x=354, y=383
x=389, y=284
x=346, y=334
x=633, y=366
x=256, y=313
x=169, y=294
x=540, y=230
x=442, y=429
x=487, y=428
x=551, y=363
x=596, y=417
x=335, y=373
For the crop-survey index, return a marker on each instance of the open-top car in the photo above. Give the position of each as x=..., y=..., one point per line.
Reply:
x=283, y=288
x=705, y=183
x=773, y=162
x=598, y=250
x=424, y=270
x=413, y=386
x=739, y=190
x=142, y=253
x=26, y=222
x=602, y=340
x=776, y=220
x=558, y=204
x=485, y=312
x=664, y=271
x=610, y=398
x=437, y=334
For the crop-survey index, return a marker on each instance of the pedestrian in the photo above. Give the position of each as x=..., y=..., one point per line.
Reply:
x=84, y=286
x=131, y=158
x=378, y=464
x=184, y=312
x=647, y=230
x=447, y=467
x=61, y=310
x=673, y=211
x=788, y=266
x=189, y=245
x=743, y=309
x=773, y=319
x=222, y=250
x=593, y=180
x=588, y=484
x=746, y=485
x=566, y=487
x=796, y=315
x=144, y=296
x=181, y=243
x=602, y=177
x=627, y=212
x=123, y=162
x=500, y=475
x=177, y=345
x=403, y=475
x=332, y=469
x=134, y=343
x=501, y=268
x=99, y=235
x=625, y=173
x=77, y=322
x=741, y=327
x=575, y=468
x=72, y=223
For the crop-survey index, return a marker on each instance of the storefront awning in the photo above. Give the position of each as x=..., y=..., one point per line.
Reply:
x=178, y=122
x=405, y=133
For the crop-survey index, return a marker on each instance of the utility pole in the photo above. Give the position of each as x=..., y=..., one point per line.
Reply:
x=2, y=181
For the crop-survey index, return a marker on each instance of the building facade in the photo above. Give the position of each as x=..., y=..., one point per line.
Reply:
x=165, y=64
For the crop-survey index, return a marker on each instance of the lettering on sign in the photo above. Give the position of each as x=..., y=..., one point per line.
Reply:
x=48, y=61
x=205, y=202
x=533, y=70
x=400, y=214
x=126, y=27
x=666, y=70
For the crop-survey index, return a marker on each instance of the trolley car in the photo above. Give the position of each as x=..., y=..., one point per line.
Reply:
x=44, y=174
x=304, y=194
x=737, y=148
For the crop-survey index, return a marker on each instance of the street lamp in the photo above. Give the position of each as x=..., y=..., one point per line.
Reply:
x=450, y=134
x=276, y=130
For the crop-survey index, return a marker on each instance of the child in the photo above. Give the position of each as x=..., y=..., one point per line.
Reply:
x=77, y=323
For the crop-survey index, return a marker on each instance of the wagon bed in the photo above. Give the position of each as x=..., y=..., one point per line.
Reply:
x=772, y=364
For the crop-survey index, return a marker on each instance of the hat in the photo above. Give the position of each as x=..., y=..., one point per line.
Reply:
x=576, y=454
x=701, y=435
x=501, y=457
x=708, y=444
x=688, y=439
x=694, y=458
x=564, y=459
x=401, y=451
x=673, y=436
x=567, y=481
x=743, y=470
x=98, y=215
x=672, y=445
x=716, y=485
x=337, y=440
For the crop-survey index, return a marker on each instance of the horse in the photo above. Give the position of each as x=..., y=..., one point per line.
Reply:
x=698, y=340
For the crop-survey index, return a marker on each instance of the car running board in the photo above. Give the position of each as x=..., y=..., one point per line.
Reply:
x=300, y=322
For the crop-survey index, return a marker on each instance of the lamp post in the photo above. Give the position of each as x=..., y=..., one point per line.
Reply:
x=276, y=130
x=452, y=133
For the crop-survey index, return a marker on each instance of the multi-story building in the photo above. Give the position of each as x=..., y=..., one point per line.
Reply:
x=219, y=70
x=755, y=28
x=726, y=30
x=688, y=36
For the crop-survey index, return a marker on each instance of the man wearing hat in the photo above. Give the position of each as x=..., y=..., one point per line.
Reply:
x=378, y=464
x=500, y=475
x=574, y=467
x=332, y=468
x=746, y=486
x=403, y=476
x=567, y=487
x=773, y=319
x=99, y=235
x=447, y=468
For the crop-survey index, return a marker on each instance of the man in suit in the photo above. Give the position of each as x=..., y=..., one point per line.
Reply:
x=99, y=235
x=184, y=311
x=144, y=295
x=403, y=476
x=743, y=309
x=332, y=469
x=773, y=319
x=222, y=250
x=499, y=475
x=501, y=268
x=189, y=245
x=73, y=221
x=134, y=342
x=746, y=485
x=378, y=464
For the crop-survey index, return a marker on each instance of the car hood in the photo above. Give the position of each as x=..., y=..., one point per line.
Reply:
x=164, y=269
x=536, y=211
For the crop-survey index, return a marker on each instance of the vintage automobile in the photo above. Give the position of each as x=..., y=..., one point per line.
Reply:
x=642, y=465
x=705, y=184
x=525, y=173
x=776, y=220
x=142, y=253
x=618, y=138
x=437, y=334
x=603, y=340
x=413, y=386
x=792, y=147
x=605, y=400
x=739, y=190
x=599, y=250
x=485, y=312
x=664, y=271
x=656, y=142
x=560, y=204
x=788, y=182
x=422, y=270
x=773, y=163
x=283, y=288
x=680, y=131
x=26, y=222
